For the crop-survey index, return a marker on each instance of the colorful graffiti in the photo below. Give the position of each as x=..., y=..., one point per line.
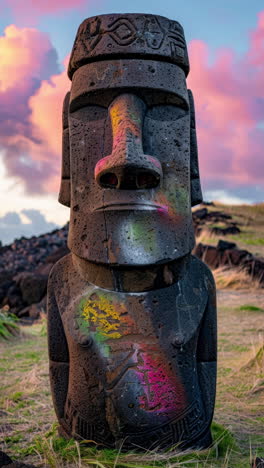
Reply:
x=162, y=389
x=105, y=317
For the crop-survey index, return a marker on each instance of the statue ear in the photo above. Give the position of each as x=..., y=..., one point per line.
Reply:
x=196, y=191
x=65, y=187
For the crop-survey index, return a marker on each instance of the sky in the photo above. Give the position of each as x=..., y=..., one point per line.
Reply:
x=226, y=51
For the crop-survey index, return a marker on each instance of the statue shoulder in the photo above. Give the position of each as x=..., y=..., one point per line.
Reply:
x=203, y=271
x=60, y=269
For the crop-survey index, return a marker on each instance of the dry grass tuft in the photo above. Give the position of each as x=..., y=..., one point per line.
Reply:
x=256, y=209
x=257, y=362
x=206, y=236
x=31, y=380
x=257, y=387
x=234, y=278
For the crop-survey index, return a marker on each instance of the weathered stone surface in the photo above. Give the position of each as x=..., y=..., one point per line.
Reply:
x=258, y=463
x=131, y=313
x=120, y=36
x=123, y=146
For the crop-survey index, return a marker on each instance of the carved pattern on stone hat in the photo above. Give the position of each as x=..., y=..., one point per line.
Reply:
x=129, y=36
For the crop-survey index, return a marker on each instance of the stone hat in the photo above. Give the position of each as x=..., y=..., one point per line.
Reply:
x=129, y=36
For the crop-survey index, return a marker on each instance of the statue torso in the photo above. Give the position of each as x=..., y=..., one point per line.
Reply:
x=132, y=360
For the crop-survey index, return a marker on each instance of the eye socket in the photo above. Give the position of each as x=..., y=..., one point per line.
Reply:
x=90, y=113
x=166, y=112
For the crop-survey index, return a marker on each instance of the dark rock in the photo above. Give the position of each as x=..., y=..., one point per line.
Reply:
x=200, y=214
x=30, y=252
x=211, y=256
x=33, y=287
x=33, y=311
x=36, y=309
x=237, y=256
x=4, y=287
x=24, y=260
x=14, y=297
x=230, y=230
x=218, y=215
x=199, y=250
x=224, y=245
x=227, y=254
x=22, y=313
x=255, y=267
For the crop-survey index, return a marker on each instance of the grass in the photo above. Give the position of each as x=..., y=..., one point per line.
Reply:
x=57, y=451
x=29, y=426
x=251, y=308
x=8, y=324
x=234, y=278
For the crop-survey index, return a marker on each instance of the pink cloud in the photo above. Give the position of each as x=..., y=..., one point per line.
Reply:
x=229, y=98
x=46, y=115
x=25, y=54
x=27, y=58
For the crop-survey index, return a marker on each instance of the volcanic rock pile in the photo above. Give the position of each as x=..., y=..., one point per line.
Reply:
x=203, y=218
x=227, y=254
x=24, y=270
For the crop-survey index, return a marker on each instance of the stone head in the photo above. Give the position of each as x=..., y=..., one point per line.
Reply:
x=130, y=166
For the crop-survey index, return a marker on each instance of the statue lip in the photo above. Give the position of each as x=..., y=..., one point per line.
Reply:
x=133, y=206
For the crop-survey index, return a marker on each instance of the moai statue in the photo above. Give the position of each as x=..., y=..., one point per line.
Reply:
x=131, y=313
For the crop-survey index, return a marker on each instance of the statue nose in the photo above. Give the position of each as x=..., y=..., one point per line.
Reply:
x=127, y=167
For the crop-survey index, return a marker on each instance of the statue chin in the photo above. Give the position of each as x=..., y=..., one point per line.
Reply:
x=132, y=238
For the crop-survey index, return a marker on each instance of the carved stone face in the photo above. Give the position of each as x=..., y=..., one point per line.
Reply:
x=129, y=127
